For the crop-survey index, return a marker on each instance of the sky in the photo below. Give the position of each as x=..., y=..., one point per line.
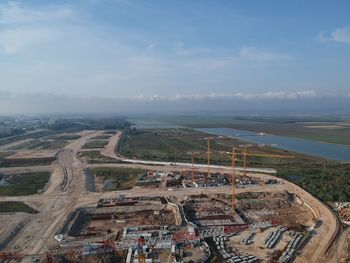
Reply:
x=174, y=56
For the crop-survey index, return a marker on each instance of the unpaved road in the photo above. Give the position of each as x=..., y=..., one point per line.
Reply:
x=316, y=249
x=57, y=203
x=54, y=205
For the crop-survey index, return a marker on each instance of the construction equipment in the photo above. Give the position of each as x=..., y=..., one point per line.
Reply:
x=245, y=154
x=192, y=160
x=209, y=155
x=233, y=178
x=208, y=151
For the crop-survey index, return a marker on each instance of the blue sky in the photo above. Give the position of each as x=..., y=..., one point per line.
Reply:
x=172, y=52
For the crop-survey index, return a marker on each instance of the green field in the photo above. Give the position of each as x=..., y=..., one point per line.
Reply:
x=325, y=129
x=26, y=162
x=118, y=178
x=64, y=137
x=40, y=144
x=329, y=184
x=50, y=145
x=177, y=144
x=3, y=155
x=94, y=144
x=33, y=135
x=94, y=157
x=329, y=138
x=23, y=184
x=13, y=206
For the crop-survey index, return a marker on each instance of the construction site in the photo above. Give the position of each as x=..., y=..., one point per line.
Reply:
x=165, y=212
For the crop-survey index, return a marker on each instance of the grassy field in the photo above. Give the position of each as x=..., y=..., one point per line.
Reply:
x=118, y=178
x=64, y=137
x=325, y=129
x=94, y=144
x=330, y=182
x=39, y=144
x=13, y=206
x=327, y=138
x=177, y=145
x=94, y=157
x=26, y=162
x=34, y=135
x=50, y=145
x=23, y=184
x=3, y=155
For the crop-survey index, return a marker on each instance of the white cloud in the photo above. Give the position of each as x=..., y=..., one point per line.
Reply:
x=251, y=53
x=14, y=13
x=53, y=102
x=16, y=40
x=270, y=95
x=22, y=28
x=341, y=35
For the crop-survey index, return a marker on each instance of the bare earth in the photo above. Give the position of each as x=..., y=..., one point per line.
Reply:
x=66, y=191
x=33, y=154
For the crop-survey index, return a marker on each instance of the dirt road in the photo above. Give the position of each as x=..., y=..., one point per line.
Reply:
x=56, y=203
x=66, y=191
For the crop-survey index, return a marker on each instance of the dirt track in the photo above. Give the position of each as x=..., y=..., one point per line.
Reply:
x=56, y=203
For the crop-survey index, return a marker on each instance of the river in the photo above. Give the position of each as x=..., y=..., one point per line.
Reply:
x=326, y=150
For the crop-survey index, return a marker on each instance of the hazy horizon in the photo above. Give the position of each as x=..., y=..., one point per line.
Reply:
x=176, y=56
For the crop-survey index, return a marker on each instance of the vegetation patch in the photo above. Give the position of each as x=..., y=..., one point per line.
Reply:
x=40, y=144
x=23, y=184
x=50, y=145
x=94, y=157
x=91, y=123
x=292, y=126
x=33, y=135
x=176, y=145
x=94, y=144
x=26, y=162
x=120, y=178
x=64, y=137
x=4, y=155
x=327, y=180
x=14, y=207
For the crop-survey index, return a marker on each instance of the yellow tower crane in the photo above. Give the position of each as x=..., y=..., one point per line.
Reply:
x=245, y=154
x=209, y=155
x=192, y=160
x=208, y=139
